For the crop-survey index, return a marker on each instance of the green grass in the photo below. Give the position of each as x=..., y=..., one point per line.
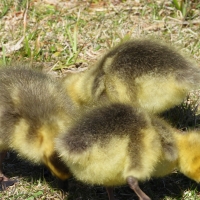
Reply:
x=64, y=36
x=187, y=8
x=4, y=8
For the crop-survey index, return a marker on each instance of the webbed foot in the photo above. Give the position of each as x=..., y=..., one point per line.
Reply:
x=6, y=182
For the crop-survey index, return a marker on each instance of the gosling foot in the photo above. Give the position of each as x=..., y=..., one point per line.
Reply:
x=6, y=182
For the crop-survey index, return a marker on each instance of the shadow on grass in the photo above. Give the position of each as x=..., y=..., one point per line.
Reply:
x=19, y=168
x=184, y=116
x=171, y=186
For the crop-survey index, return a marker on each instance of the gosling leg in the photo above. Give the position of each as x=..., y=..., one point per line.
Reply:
x=133, y=183
x=2, y=157
x=110, y=193
x=4, y=181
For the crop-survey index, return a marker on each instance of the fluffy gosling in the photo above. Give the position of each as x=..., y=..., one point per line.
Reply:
x=34, y=109
x=142, y=73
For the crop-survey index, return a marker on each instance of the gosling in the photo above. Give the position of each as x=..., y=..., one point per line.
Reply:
x=144, y=73
x=34, y=109
x=117, y=144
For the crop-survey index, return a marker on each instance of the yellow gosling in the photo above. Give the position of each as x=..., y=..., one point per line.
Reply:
x=34, y=109
x=143, y=73
x=118, y=144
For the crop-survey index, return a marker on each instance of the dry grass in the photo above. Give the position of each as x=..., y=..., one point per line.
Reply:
x=69, y=35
